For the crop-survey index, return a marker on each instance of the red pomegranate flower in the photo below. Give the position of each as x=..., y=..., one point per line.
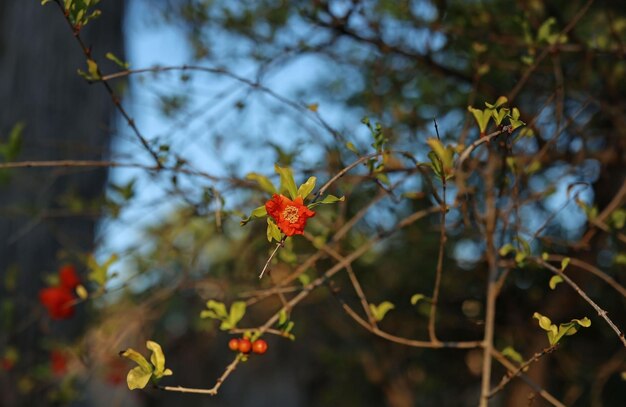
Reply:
x=58, y=362
x=68, y=277
x=58, y=301
x=290, y=216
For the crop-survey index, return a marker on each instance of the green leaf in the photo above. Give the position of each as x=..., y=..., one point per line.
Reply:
x=92, y=68
x=435, y=164
x=99, y=272
x=237, y=311
x=620, y=258
x=499, y=115
x=138, y=378
x=564, y=263
x=287, y=183
x=256, y=213
x=282, y=317
x=329, y=199
x=506, y=249
x=264, y=182
x=514, y=122
x=273, y=232
x=566, y=329
x=306, y=188
x=111, y=56
x=499, y=102
x=138, y=358
x=513, y=354
x=379, y=311
x=218, y=309
x=554, y=281
x=304, y=279
x=482, y=118
x=417, y=297
x=544, y=322
x=157, y=359
x=446, y=155
x=352, y=148
x=618, y=218
x=11, y=149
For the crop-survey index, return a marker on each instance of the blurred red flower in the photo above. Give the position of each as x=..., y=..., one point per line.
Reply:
x=68, y=277
x=59, y=300
x=290, y=216
x=58, y=362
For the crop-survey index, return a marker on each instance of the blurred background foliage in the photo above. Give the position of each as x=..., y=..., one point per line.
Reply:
x=289, y=82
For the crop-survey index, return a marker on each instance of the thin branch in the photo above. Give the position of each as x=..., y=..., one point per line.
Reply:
x=491, y=216
x=100, y=164
x=409, y=342
x=511, y=367
x=580, y=292
x=466, y=153
x=341, y=173
x=114, y=98
x=593, y=270
x=442, y=245
x=267, y=263
x=353, y=279
x=213, y=390
x=570, y=26
x=522, y=368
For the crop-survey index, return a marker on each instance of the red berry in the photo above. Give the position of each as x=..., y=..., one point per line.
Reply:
x=245, y=345
x=233, y=344
x=259, y=346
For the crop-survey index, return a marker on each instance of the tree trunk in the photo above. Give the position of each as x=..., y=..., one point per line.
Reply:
x=64, y=118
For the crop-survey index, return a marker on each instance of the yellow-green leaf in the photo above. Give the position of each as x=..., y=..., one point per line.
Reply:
x=554, y=281
x=273, y=232
x=287, y=183
x=544, y=322
x=513, y=354
x=137, y=358
x=263, y=182
x=92, y=68
x=417, y=297
x=157, y=359
x=379, y=311
x=256, y=213
x=138, y=378
x=306, y=188
x=329, y=199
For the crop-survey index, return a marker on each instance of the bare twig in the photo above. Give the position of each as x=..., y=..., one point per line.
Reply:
x=213, y=390
x=267, y=263
x=491, y=215
x=512, y=368
x=522, y=368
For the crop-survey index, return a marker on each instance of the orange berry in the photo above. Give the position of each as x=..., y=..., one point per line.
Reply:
x=233, y=344
x=259, y=346
x=245, y=345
